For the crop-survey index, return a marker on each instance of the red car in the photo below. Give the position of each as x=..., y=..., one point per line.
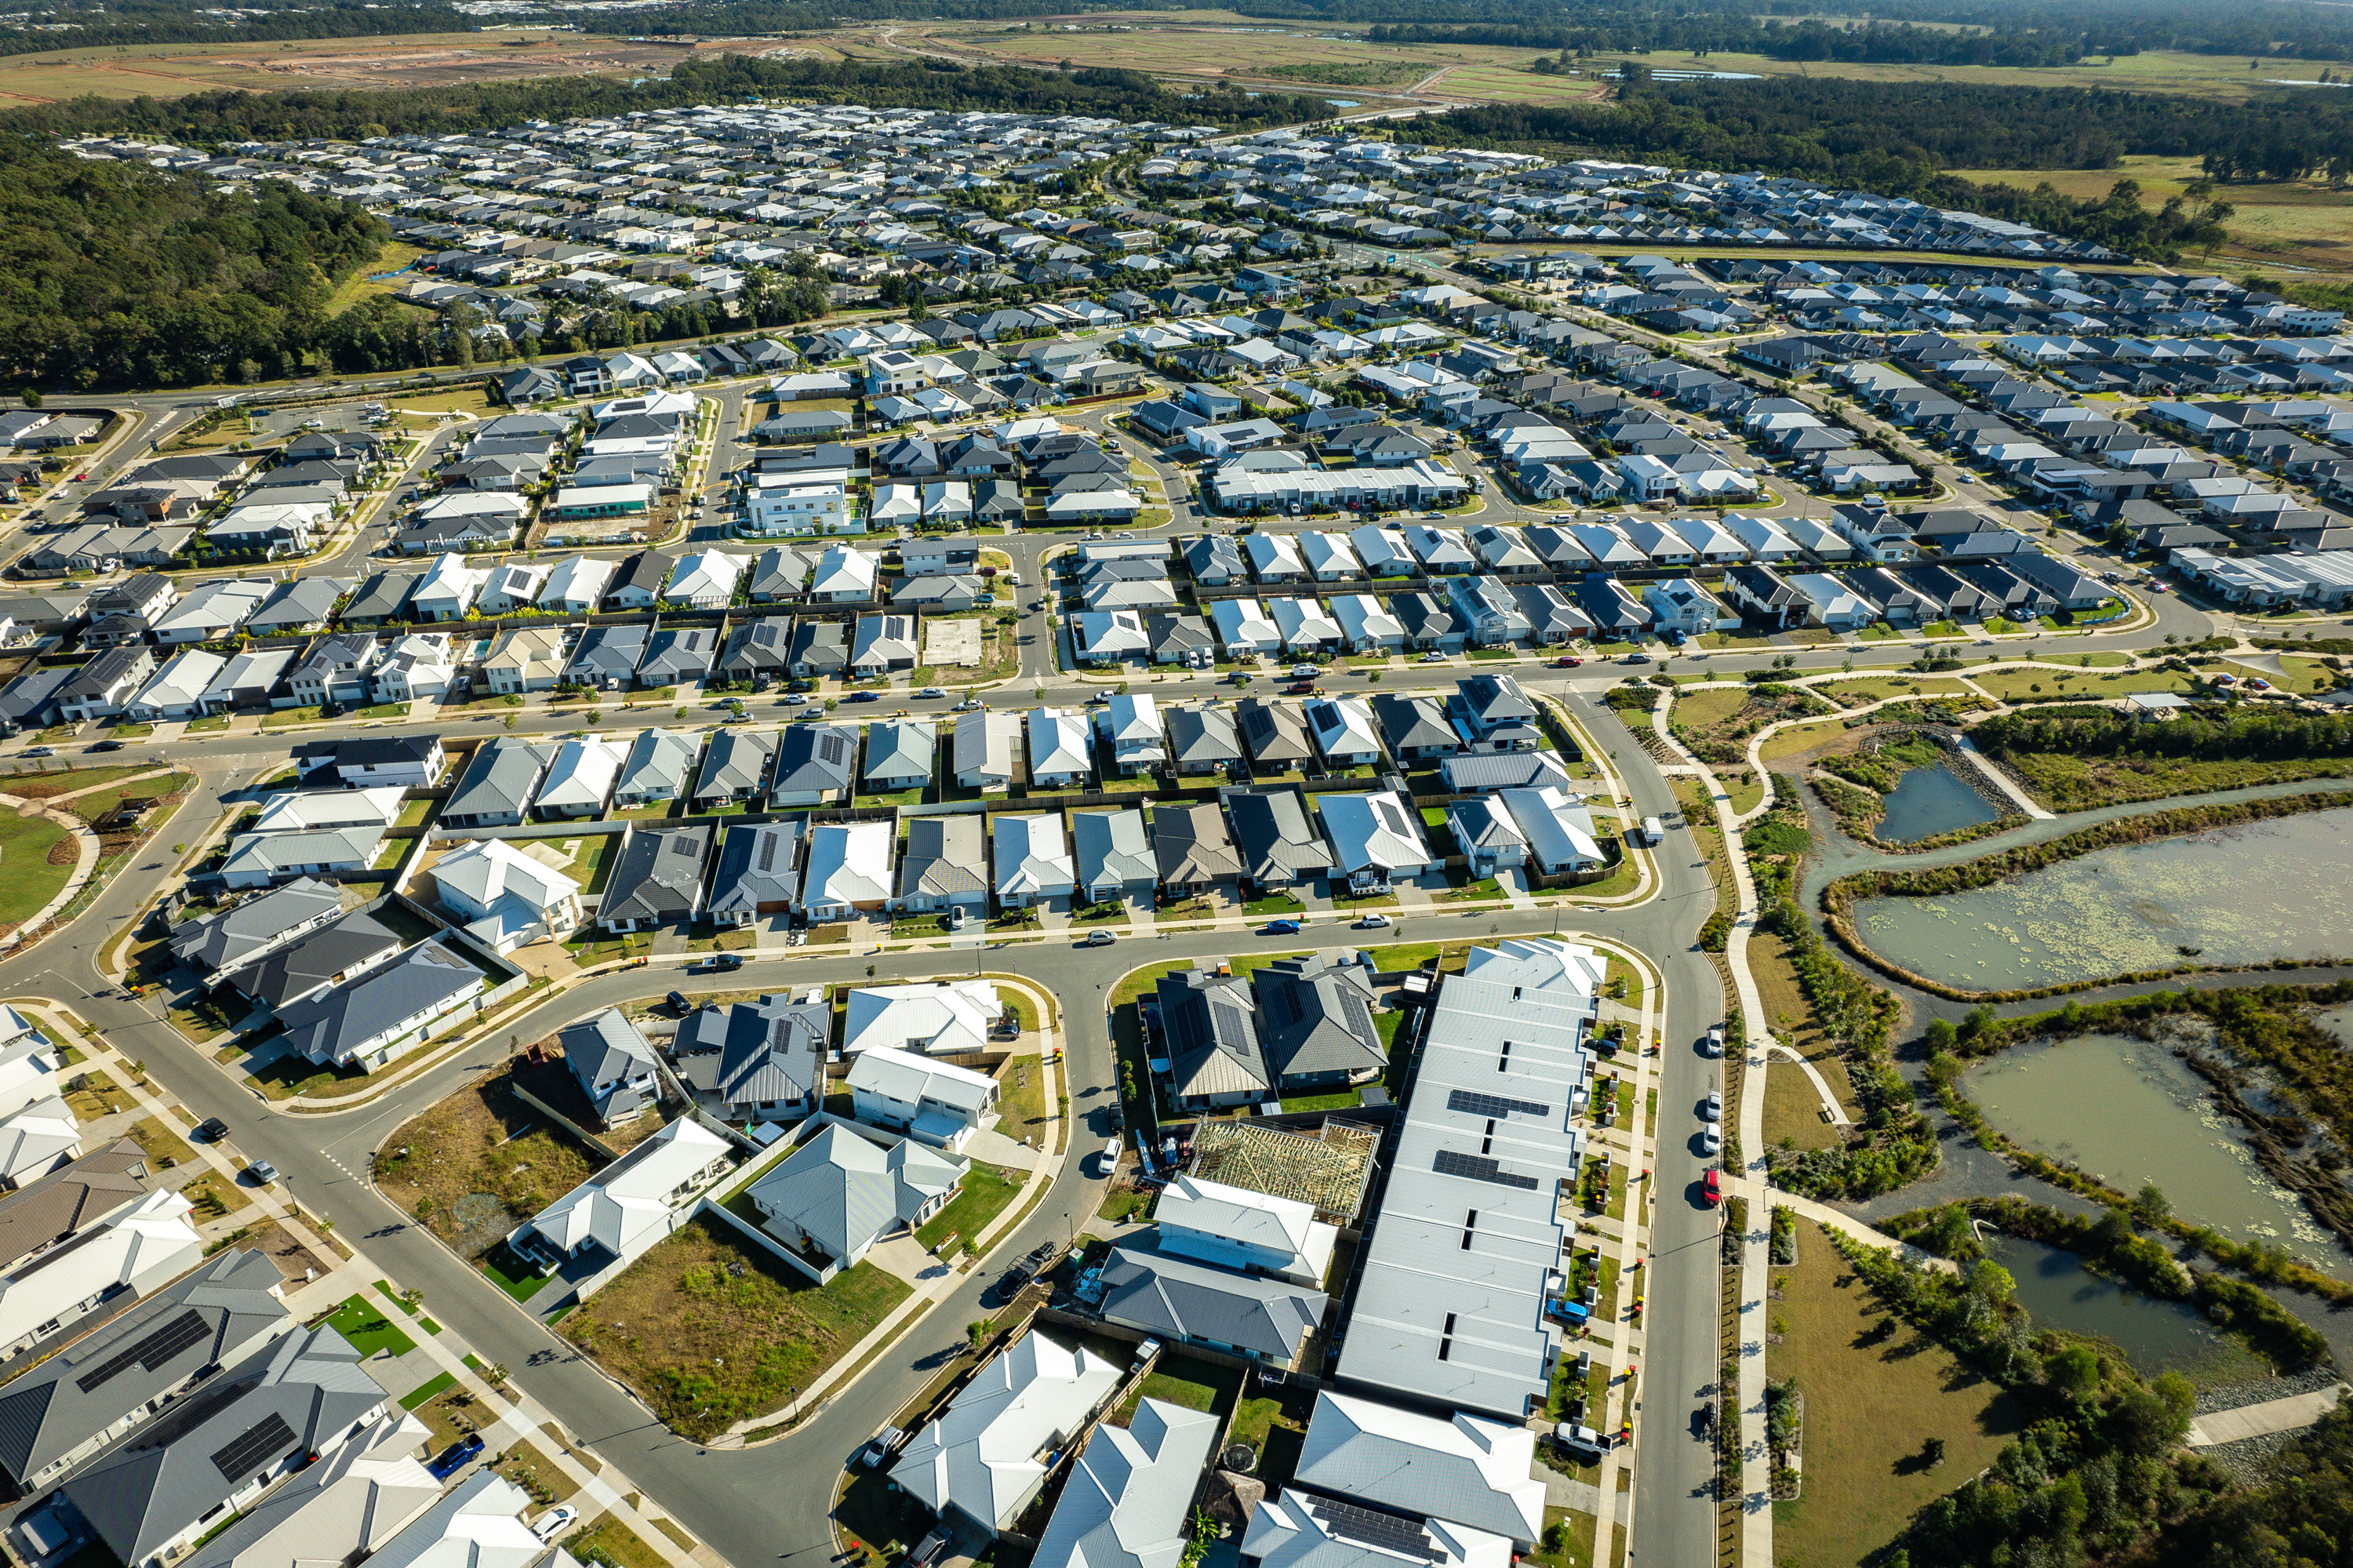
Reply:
x=1566, y=663
x=1301, y=689
x=1713, y=1187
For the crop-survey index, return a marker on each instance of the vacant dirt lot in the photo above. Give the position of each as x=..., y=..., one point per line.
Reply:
x=478, y=1164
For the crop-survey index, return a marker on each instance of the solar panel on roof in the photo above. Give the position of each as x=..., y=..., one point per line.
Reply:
x=1473, y=1103
x=158, y=1347
x=1347, y=1521
x=1479, y=1168
x=767, y=850
x=831, y=747
x=253, y=1448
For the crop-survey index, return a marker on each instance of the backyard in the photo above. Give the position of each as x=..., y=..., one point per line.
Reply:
x=1876, y=1390
x=710, y=1327
x=986, y=1190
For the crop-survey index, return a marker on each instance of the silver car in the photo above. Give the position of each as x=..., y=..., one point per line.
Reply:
x=1713, y=1109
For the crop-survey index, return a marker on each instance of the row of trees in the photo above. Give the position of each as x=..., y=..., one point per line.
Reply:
x=1878, y=42
x=2232, y=736
x=119, y=24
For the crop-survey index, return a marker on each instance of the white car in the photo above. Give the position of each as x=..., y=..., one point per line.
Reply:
x=1711, y=1140
x=555, y=1521
x=1713, y=1109
x=1434, y=657
x=1713, y=1043
x=793, y=699
x=1306, y=672
x=1375, y=921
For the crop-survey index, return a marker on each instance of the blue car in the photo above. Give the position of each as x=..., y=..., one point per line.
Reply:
x=1283, y=928
x=863, y=697
x=455, y=1458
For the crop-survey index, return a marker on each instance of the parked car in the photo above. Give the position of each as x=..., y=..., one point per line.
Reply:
x=1375, y=921
x=800, y=686
x=555, y=1521
x=928, y=693
x=678, y=1004
x=1101, y=939
x=1301, y=689
x=1111, y=1157
x=1434, y=657
x=1712, y=1045
x=719, y=962
x=104, y=745
x=455, y=1458
x=878, y=1448
x=1636, y=658
x=1713, y=1108
x=1711, y=1140
x=1712, y=1187
x=212, y=1130
x=968, y=705
x=1306, y=671
x=41, y=751
x=863, y=697
x=1566, y=663
x=263, y=1173
x=928, y=1549
x=792, y=699
x=1283, y=928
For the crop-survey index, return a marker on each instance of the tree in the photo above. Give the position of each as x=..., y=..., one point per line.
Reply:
x=1932, y=1451
x=978, y=1331
x=2074, y=1373
x=2150, y=1205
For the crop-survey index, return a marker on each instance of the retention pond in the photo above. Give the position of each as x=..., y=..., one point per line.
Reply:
x=2129, y=1111
x=2155, y=1336
x=1928, y=802
x=2281, y=888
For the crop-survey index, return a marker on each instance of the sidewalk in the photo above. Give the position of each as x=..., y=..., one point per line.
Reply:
x=358, y=1274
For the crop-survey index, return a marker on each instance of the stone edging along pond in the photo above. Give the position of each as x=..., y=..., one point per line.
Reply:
x=1840, y=897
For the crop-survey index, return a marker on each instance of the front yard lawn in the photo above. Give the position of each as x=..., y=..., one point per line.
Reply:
x=985, y=1192
x=369, y=1331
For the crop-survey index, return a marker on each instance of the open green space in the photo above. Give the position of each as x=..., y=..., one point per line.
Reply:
x=358, y=1320
x=986, y=1190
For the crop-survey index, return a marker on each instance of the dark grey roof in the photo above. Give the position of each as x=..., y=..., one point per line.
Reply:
x=762, y=647
x=297, y=1396
x=382, y=597
x=604, y=1048
x=308, y=962
x=659, y=875
x=1277, y=840
x=219, y=941
x=677, y=655
x=757, y=1052
x=759, y=865
x=421, y=980
x=1479, y=771
x=1315, y=1017
x=737, y=763
x=607, y=652
x=1411, y=723
x=217, y=1315
x=31, y=698
x=497, y=783
x=816, y=756
x=1181, y=1298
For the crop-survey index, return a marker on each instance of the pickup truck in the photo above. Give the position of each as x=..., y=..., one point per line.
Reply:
x=455, y=1458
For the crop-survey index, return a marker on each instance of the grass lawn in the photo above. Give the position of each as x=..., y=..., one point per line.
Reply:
x=1275, y=1426
x=1183, y=1382
x=160, y=1143
x=710, y=1327
x=1022, y=1111
x=1622, y=879
x=27, y=879
x=90, y=808
x=1871, y=688
x=1872, y=1399
x=433, y=1387
x=292, y=1075
x=369, y=1331
x=2012, y=684
x=1342, y=1100
x=609, y=1543
x=986, y=1190
x=206, y=725
x=413, y=814
x=1276, y=904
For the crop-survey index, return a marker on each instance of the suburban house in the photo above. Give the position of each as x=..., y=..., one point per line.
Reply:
x=1208, y=1032
x=848, y=870
x=1032, y=860
x=761, y=1061
x=655, y=880
x=614, y=1217
x=936, y=1018
x=986, y=1457
x=389, y=1011
x=505, y=895
x=844, y=1190
x=758, y=873
x=932, y=1101
x=612, y=1062
x=944, y=865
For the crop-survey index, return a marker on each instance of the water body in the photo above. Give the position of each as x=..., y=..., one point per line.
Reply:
x=1344, y=102
x=2238, y=895
x=2155, y=1336
x=1931, y=800
x=2129, y=1111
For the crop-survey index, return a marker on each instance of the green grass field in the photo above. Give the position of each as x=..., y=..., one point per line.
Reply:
x=2301, y=223
x=28, y=880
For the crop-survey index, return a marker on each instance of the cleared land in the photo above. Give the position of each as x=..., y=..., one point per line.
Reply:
x=2302, y=223
x=480, y=1163
x=710, y=1327
x=1875, y=1390
x=422, y=60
